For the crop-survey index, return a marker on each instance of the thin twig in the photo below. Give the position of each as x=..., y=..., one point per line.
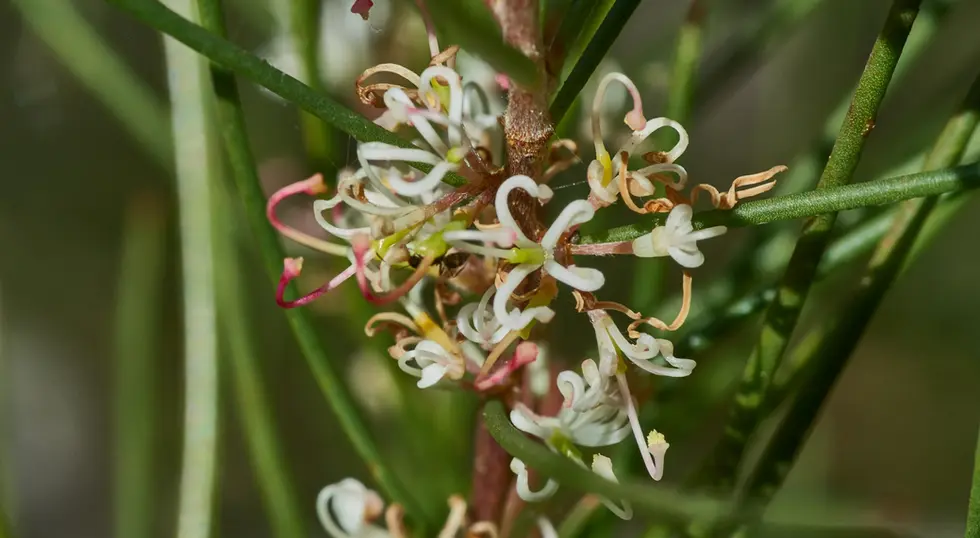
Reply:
x=814, y=203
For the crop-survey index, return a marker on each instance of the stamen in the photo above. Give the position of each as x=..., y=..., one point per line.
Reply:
x=292, y=267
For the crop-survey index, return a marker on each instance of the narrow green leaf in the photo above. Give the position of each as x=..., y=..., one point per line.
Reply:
x=196, y=167
x=594, y=46
x=137, y=339
x=82, y=51
x=243, y=63
x=469, y=24
x=782, y=315
x=242, y=163
x=973, y=515
x=243, y=365
x=305, y=30
x=6, y=468
x=660, y=501
x=821, y=363
x=814, y=203
x=4, y=525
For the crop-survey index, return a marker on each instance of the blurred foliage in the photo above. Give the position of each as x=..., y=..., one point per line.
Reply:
x=895, y=442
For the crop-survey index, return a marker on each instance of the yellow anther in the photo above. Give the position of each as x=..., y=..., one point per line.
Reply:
x=606, y=163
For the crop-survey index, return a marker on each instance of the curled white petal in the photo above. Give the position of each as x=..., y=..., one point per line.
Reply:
x=580, y=278
x=423, y=186
x=516, y=319
x=319, y=206
x=661, y=168
x=575, y=213
x=432, y=374
x=523, y=487
x=541, y=192
x=519, y=417
x=654, y=125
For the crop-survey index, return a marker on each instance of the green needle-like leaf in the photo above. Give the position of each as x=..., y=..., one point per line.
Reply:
x=814, y=203
x=656, y=500
x=137, y=340
x=783, y=314
x=233, y=130
x=197, y=163
x=821, y=363
x=243, y=63
x=973, y=515
x=593, y=45
x=242, y=363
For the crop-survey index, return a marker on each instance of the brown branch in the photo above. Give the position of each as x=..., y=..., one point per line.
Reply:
x=527, y=128
x=527, y=123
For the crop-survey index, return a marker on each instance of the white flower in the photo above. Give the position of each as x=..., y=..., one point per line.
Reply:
x=530, y=256
x=583, y=392
x=346, y=508
x=602, y=425
x=612, y=343
x=605, y=167
x=676, y=238
x=434, y=362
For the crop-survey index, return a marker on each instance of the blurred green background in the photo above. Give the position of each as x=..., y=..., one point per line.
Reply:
x=895, y=441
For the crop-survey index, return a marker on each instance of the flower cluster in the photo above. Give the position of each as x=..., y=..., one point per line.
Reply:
x=439, y=225
x=348, y=509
